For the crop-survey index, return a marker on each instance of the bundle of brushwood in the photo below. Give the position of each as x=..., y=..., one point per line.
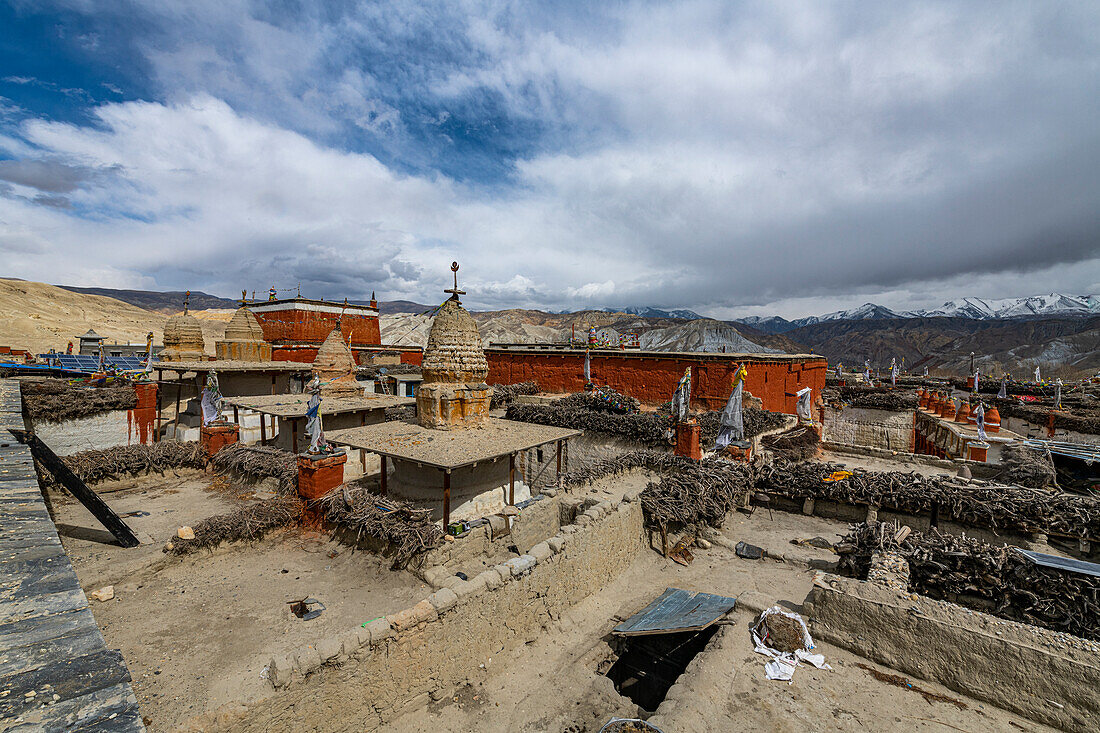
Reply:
x=93, y=466
x=993, y=579
x=602, y=399
x=246, y=524
x=1027, y=467
x=650, y=428
x=695, y=493
x=799, y=444
x=55, y=400
x=656, y=461
x=504, y=394
x=372, y=371
x=409, y=530
x=877, y=398
x=260, y=462
x=978, y=504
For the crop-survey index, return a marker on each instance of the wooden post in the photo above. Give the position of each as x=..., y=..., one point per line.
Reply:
x=156, y=433
x=363, y=453
x=294, y=434
x=236, y=415
x=263, y=430
x=558, y=475
x=511, y=479
x=273, y=383
x=446, y=499
x=176, y=425
x=382, y=460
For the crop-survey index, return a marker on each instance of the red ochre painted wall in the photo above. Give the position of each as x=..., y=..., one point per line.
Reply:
x=313, y=327
x=652, y=377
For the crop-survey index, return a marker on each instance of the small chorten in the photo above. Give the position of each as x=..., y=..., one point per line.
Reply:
x=335, y=367
x=183, y=337
x=453, y=393
x=244, y=337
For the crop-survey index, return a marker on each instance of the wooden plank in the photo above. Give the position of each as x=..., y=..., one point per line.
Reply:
x=79, y=489
x=79, y=642
x=37, y=629
x=677, y=610
x=66, y=678
x=113, y=709
x=44, y=605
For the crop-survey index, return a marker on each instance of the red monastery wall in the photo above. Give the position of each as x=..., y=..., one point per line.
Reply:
x=652, y=376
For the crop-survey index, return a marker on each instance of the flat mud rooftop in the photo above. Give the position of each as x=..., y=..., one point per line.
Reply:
x=197, y=631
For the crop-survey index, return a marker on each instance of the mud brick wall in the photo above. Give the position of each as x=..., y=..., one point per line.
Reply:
x=870, y=427
x=374, y=673
x=652, y=376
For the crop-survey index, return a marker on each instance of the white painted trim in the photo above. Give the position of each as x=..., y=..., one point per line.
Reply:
x=357, y=310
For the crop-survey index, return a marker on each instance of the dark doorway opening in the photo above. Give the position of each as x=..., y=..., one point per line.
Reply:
x=649, y=665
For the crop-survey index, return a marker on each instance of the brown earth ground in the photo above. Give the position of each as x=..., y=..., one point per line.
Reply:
x=196, y=632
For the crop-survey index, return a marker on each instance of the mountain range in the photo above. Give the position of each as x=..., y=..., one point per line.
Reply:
x=1057, y=331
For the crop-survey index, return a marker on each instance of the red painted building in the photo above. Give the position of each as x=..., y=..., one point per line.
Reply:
x=296, y=328
x=652, y=376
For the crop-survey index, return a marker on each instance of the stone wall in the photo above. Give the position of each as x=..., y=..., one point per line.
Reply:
x=1043, y=675
x=870, y=427
x=379, y=670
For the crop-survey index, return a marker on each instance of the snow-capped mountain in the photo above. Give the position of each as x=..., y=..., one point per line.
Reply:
x=767, y=324
x=651, y=312
x=1055, y=304
x=866, y=312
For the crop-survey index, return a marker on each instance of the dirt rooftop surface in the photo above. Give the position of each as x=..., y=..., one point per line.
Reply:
x=197, y=631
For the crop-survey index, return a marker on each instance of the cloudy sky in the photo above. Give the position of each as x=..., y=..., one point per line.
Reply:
x=733, y=158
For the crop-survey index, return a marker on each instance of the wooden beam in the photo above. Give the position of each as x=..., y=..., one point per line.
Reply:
x=156, y=433
x=79, y=489
x=446, y=499
x=176, y=423
x=294, y=434
x=236, y=415
x=558, y=475
x=263, y=429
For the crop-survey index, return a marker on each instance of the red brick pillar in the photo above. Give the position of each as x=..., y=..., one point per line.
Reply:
x=215, y=437
x=977, y=451
x=318, y=475
x=687, y=440
x=740, y=452
x=142, y=418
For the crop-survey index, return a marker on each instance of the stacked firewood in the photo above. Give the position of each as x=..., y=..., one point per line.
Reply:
x=978, y=504
x=997, y=580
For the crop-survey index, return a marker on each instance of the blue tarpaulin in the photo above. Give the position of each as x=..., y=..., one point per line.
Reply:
x=677, y=610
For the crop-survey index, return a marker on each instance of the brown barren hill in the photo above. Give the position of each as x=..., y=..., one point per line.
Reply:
x=40, y=317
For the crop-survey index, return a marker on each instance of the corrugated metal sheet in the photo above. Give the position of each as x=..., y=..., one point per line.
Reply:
x=677, y=610
x=1057, y=562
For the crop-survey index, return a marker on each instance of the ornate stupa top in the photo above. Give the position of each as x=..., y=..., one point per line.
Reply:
x=183, y=336
x=244, y=326
x=454, y=352
x=335, y=366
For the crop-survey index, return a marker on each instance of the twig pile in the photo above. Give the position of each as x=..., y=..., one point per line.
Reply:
x=799, y=444
x=602, y=399
x=983, y=576
x=408, y=530
x=93, y=466
x=1027, y=467
x=503, y=394
x=260, y=462
x=372, y=371
x=247, y=524
x=656, y=461
x=650, y=428
x=880, y=399
x=985, y=505
x=56, y=400
x=696, y=493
